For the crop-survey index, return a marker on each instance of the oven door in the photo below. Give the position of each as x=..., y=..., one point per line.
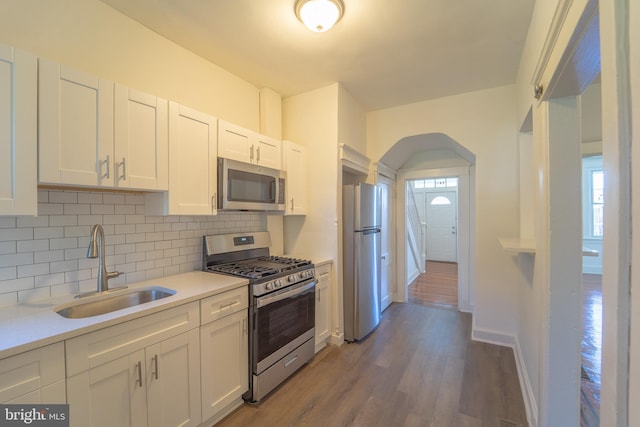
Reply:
x=282, y=321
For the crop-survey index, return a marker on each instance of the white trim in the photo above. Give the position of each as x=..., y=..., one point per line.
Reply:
x=385, y=171
x=354, y=160
x=409, y=174
x=529, y=398
x=559, y=17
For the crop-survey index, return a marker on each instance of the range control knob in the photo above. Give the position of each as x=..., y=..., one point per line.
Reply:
x=278, y=283
x=269, y=286
x=291, y=278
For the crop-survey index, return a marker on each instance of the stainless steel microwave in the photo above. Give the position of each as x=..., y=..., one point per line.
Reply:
x=245, y=186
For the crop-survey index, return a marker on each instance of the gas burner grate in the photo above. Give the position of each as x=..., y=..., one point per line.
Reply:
x=244, y=270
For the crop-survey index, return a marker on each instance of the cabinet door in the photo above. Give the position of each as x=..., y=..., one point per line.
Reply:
x=235, y=142
x=224, y=362
x=75, y=127
x=193, y=162
x=112, y=394
x=141, y=140
x=295, y=163
x=173, y=381
x=268, y=152
x=34, y=376
x=323, y=306
x=18, y=132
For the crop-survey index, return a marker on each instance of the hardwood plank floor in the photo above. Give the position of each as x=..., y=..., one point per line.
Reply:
x=418, y=368
x=437, y=286
x=591, y=350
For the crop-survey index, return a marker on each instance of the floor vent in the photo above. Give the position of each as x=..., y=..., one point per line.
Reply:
x=506, y=423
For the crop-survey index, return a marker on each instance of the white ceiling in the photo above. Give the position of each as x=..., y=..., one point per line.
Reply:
x=385, y=53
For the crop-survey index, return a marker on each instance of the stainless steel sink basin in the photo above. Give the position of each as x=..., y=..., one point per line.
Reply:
x=102, y=304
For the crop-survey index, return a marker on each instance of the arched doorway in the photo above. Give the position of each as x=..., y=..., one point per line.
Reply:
x=430, y=155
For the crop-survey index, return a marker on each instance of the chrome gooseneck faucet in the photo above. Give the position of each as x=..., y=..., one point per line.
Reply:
x=96, y=250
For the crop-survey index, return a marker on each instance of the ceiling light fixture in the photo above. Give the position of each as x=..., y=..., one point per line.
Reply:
x=319, y=15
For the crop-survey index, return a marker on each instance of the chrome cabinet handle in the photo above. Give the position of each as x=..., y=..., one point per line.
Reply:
x=251, y=154
x=139, y=368
x=258, y=155
x=155, y=366
x=106, y=163
x=213, y=201
x=292, y=203
x=244, y=326
x=124, y=170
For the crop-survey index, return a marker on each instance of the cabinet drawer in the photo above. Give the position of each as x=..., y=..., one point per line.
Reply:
x=221, y=305
x=30, y=371
x=96, y=348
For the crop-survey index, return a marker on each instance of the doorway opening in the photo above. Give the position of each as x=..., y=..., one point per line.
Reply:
x=432, y=224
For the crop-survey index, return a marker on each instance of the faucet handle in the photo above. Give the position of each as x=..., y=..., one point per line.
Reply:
x=113, y=274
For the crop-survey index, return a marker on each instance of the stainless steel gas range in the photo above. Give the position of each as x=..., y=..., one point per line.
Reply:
x=281, y=305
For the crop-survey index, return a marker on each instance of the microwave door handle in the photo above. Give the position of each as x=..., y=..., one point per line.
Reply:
x=261, y=302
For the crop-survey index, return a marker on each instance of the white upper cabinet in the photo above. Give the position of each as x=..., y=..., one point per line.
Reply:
x=75, y=127
x=192, y=165
x=235, y=142
x=18, y=132
x=243, y=145
x=268, y=152
x=141, y=141
x=294, y=162
x=94, y=133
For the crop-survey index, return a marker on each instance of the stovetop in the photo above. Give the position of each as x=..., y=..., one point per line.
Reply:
x=260, y=267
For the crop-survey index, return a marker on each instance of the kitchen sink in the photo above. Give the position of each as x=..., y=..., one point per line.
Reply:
x=102, y=304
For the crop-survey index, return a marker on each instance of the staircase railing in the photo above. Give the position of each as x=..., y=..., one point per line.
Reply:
x=415, y=233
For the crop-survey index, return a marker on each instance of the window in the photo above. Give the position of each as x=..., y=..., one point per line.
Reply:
x=440, y=201
x=592, y=198
x=597, y=202
x=435, y=183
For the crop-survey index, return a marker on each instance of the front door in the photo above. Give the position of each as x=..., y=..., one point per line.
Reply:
x=442, y=226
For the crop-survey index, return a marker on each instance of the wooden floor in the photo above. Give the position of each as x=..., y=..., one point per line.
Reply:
x=437, y=286
x=418, y=368
x=591, y=350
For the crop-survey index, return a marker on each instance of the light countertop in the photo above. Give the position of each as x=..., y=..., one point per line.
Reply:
x=24, y=327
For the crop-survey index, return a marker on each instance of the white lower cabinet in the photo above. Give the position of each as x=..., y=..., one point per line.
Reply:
x=137, y=375
x=323, y=305
x=36, y=376
x=224, y=353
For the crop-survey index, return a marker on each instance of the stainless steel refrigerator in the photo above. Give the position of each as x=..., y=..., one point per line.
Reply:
x=361, y=259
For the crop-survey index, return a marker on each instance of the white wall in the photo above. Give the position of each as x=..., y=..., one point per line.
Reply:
x=484, y=123
x=352, y=128
x=91, y=36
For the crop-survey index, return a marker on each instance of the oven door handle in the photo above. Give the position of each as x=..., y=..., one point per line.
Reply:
x=285, y=293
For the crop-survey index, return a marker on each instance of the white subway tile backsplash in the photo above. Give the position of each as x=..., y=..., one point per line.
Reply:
x=64, y=266
x=32, y=221
x=8, y=247
x=33, y=270
x=48, y=232
x=7, y=222
x=77, y=209
x=16, y=234
x=46, y=255
x=12, y=260
x=7, y=273
x=63, y=197
x=62, y=220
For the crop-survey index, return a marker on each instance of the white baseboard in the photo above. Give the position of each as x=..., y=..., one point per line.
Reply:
x=507, y=340
x=337, y=340
x=412, y=278
x=530, y=405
